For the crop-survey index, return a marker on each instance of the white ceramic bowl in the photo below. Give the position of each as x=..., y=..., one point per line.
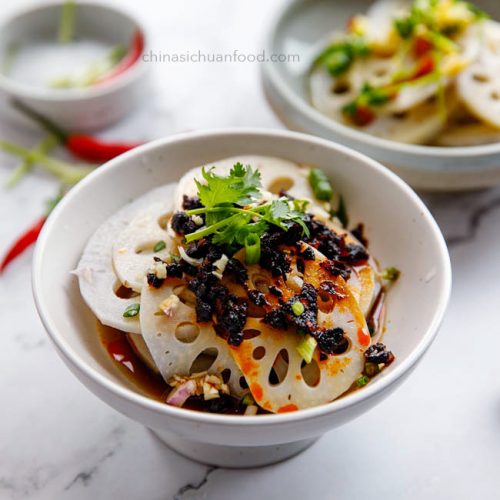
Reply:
x=80, y=109
x=299, y=29
x=401, y=232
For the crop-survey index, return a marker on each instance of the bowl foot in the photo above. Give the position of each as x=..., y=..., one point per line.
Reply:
x=233, y=457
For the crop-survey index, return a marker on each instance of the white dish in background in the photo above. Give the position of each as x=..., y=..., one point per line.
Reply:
x=407, y=238
x=302, y=28
x=98, y=27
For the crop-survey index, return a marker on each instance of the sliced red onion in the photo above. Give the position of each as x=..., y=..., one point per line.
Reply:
x=181, y=393
x=187, y=258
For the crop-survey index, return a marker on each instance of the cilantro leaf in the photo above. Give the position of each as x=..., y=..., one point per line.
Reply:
x=240, y=187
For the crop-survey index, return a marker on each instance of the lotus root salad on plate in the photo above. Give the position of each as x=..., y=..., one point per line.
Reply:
x=239, y=290
x=421, y=72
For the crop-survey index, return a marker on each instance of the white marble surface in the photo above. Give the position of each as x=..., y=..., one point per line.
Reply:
x=437, y=438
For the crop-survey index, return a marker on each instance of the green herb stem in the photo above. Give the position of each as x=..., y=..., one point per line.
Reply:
x=67, y=21
x=65, y=172
x=27, y=164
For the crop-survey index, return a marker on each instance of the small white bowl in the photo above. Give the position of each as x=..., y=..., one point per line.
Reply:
x=401, y=231
x=299, y=29
x=80, y=109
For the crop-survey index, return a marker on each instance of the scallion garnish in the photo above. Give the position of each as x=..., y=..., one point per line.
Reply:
x=298, y=308
x=252, y=249
x=160, y=245
x=248, y=400
x=390, y=274
x=131, y=311
x=306, y=347
x=362, y=381
x=67, y=22
x=320, y=184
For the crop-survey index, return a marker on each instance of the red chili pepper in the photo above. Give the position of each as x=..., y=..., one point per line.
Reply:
x=363, y=116
x=136, y=49
x=425, y=66
x=86, y=147
x=95, y=150
x=23, y=242
x=421, y=46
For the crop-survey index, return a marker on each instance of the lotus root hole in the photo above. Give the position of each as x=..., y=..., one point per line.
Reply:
x=259, y=352
x=311, y=373
x=243, y=383
x=145, y=248
x=204, y=360
x=279, y=369
x=261, y=283
x=187, y=332
x=281, y=184
x=341, y=88
x=250, y=334
x=122, y=292
x=495, y=95
x=226, y=375
x=481, y=78
x=185, y=295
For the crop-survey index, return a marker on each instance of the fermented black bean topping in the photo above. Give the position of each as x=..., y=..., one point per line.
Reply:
x=378, y=353
x=283, y=316
x=332, y=341
x=359, y=233
x=154, y=281
x=191, y=203
x=183, y=224
x=336, y=268
x=308, y=254
x=300, y=266
x=236, y=271
x=257, y=297
x=275, y=291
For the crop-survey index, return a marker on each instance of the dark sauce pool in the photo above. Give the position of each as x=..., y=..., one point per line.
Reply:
x=141, y=377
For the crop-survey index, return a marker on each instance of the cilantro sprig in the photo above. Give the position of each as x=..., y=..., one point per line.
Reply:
x=235, y=215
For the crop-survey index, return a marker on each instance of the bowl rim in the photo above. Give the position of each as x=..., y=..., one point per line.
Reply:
x=341, y=131
x=74, y=95
x=72, y=357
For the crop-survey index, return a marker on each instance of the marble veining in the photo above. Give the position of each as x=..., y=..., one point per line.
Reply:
x=436, y=438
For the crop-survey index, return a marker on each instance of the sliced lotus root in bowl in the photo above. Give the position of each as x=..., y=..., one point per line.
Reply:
x=179, y=344
x=277, y=175
x=100, y=287
x=134, y=247
x=276, y=374
x=418, y=125
x=478, y=86
x=470, y=134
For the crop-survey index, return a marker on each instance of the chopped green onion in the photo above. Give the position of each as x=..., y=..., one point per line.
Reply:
x=390, y=274
x=131, y=311
x=405, y=26
x=248, y=400
x=320, y=184
x=67, y=22
x=159, y=246
x=252, y=249
x=362, y=381
x=306, y=348
x=298, y=308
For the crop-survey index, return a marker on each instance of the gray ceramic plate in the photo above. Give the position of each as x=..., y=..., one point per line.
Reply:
x=301, y=28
